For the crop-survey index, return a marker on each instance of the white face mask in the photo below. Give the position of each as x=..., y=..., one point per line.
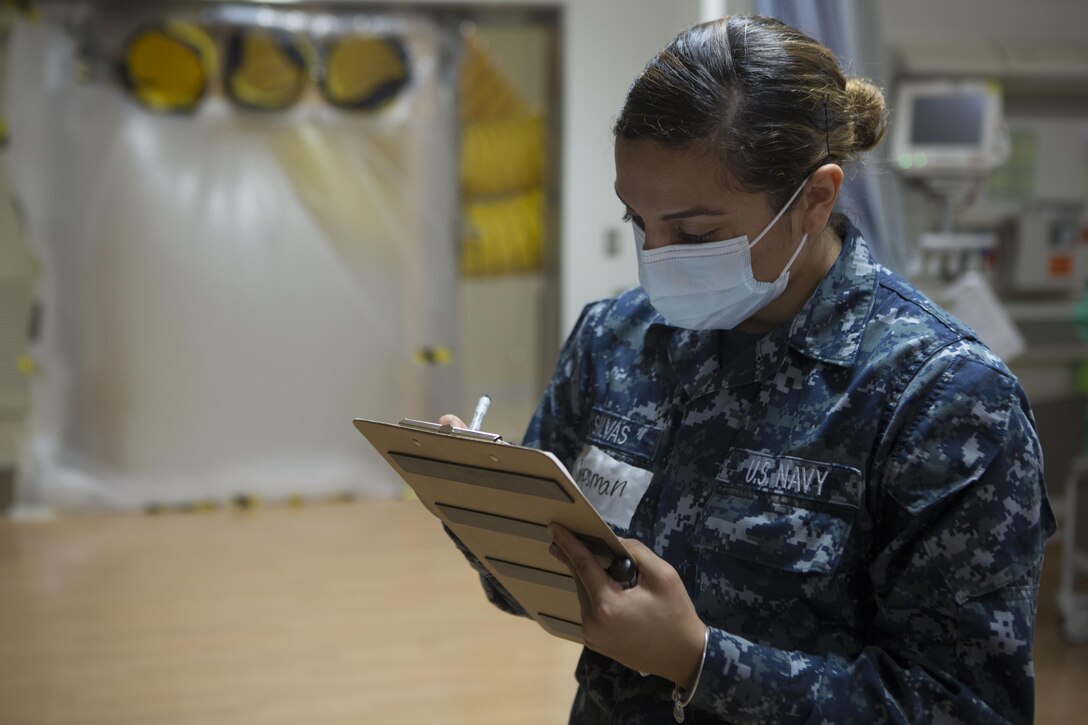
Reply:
x=709, y=286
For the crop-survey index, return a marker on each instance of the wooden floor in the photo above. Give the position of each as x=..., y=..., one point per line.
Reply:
x=353, y=613
x=1061, y=671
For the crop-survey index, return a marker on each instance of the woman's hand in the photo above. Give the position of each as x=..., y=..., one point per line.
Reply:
x=651, y=627
x=451, y=419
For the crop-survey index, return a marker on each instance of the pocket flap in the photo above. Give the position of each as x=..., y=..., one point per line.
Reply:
x=775, y=534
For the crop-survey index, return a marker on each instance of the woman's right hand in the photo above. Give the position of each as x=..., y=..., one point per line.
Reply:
x=451, y=419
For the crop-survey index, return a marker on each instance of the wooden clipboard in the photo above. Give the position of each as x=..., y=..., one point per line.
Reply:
x=497, y=499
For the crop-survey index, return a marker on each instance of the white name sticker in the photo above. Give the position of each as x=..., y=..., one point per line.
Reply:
x=613, y=487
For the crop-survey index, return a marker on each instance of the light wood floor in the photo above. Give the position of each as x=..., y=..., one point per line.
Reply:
x=355, y=613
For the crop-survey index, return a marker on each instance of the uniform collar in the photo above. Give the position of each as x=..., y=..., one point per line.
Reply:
x=831, y=325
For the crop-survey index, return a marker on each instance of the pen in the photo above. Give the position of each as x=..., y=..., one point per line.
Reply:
x=481, y=411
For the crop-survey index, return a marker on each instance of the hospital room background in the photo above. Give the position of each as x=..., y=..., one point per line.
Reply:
x=229, y=228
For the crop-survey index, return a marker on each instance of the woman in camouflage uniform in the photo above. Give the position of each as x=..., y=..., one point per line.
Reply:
x=833, y=491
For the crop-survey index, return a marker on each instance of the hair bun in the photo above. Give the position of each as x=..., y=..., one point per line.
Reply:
x=865, y=104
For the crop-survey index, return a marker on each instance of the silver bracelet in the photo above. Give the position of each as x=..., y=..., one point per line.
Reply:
x=680, y=699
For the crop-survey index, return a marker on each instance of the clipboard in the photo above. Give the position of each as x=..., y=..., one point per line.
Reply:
x=498, y=499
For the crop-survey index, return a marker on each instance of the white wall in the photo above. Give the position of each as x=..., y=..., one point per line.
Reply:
x=607, y=43
x=1038, y=23
x=1021, y=43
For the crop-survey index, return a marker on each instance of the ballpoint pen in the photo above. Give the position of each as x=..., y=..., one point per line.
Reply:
x=480, y=412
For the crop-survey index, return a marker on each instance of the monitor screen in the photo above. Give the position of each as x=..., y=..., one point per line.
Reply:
x=948, y=119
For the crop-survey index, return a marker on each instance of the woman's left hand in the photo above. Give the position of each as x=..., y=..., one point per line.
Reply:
x=652, y=627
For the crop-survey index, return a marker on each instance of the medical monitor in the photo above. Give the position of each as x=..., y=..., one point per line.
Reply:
x=947, y=128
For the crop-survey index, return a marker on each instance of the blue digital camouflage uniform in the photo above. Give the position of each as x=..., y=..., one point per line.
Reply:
x=854, y=502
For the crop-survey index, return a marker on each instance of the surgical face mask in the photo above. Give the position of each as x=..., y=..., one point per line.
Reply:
x=709, y=286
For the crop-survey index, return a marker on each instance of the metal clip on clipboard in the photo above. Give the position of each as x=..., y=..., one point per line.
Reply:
x=448, y=429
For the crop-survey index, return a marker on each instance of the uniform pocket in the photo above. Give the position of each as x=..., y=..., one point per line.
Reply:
x=774, y=533
x=782, y=512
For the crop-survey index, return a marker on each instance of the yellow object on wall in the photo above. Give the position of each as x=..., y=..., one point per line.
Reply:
x=503, y=236
x=502, y=172
x=502, y=156
x=265, y=71
x=364, y=72
x=167, y=67
x=485, y=93
x=170, y=66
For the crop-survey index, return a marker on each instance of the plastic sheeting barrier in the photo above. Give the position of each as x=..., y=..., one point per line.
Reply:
x=224, y=291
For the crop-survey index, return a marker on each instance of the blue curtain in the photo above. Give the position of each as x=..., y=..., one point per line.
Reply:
x=870, y=197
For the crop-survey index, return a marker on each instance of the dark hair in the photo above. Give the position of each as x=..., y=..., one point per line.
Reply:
x=768, y=100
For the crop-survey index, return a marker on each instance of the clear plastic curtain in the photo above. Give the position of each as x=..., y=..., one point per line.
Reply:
x=224, y=291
